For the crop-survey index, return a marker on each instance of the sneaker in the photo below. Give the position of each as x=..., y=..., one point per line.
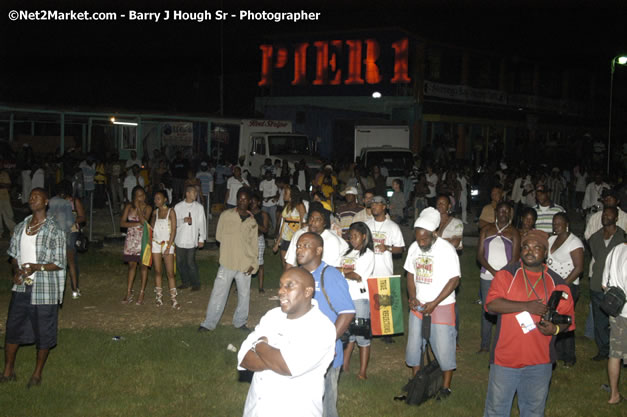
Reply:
x=76, y=294
x=444, y=393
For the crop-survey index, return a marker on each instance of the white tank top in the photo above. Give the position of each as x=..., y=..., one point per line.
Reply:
x=161, y=232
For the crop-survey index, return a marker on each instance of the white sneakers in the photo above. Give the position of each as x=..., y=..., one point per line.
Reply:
x=76, y=294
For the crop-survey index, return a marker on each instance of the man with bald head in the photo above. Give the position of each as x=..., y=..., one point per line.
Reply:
x=524, y=351
x=289, y=352
x=335, y=302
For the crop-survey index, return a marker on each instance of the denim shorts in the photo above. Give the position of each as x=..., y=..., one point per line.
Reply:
x=362, y=311
x=28, y=323
x=442, y=341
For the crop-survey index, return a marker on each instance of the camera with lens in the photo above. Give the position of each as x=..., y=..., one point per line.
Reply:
x=551, y=314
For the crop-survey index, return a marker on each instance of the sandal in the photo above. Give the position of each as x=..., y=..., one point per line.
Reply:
x=128, y=299
x=140, y=299
x=173, y=294
x=158, y=296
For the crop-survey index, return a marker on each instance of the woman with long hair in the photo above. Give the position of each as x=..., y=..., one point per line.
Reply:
x=163, y=224
x=135, y=214
x=293, y=218
x=357, y=265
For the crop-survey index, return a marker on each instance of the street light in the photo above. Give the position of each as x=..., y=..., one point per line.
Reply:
x=621, y=60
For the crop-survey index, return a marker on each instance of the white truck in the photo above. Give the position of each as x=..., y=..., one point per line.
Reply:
x=385, y=146
x=260, y=139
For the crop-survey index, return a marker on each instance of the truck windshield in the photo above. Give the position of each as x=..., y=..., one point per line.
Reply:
x=395, y=162
x=288, y=144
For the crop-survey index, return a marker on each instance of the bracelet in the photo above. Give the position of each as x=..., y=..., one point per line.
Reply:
x=557, y=330
x=255, y=343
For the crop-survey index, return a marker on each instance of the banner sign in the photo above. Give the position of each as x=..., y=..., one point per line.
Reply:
x=178, y=134
x=386, y=306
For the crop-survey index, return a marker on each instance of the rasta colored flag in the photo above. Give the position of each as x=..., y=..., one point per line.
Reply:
x=386, y=309
x=146, y=252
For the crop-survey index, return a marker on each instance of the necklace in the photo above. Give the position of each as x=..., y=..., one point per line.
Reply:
x=499, y=230
x=33, y=229
x=533, y=287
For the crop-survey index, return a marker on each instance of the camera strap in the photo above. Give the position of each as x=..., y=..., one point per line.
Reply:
x=533, y=287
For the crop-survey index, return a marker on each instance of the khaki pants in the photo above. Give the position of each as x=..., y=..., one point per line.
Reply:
x=6, y=215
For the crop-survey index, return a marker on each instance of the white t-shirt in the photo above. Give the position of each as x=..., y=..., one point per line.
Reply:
x=131, y=162
x=233, y=185
x=388, y=233
x=432, y=270
x=268, y=188
x=433, y=179
x=615, y=271
x=307, y=345
x=363, y=266
x=454, y=228
x=334, y=248
x=188, y=236
x=560, y=261
x=131, y=182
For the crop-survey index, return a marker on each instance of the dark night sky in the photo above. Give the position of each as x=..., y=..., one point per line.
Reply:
x=174, y=66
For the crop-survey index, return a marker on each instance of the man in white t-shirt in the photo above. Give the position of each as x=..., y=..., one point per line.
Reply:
x=233, y=184
x=319, y=222
x=289, y=352
x=615, y=275
x=432, y=182
x=433, y=273
x=386, y=237
x=270, y=195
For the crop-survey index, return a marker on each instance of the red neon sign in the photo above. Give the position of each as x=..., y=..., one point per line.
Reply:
x=362, y=58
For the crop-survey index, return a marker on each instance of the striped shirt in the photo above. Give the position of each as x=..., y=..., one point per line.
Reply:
x=545, y=216
x=48, y=286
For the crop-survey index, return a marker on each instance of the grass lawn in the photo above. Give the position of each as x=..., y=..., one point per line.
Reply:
x=163, y=367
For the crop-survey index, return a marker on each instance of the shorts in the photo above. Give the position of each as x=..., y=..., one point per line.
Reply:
x=72, y=237
x=285, y=244
x=362, y=311
x=262, y=248
x=159, y=248
x=442, y=341
x=28, y=323
x=618, y=337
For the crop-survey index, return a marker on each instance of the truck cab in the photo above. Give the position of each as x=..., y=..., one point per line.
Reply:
x=274, y=139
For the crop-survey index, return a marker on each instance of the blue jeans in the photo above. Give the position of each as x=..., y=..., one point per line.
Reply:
x=186, y=265
x=487, y=319
x=329, y=401
x=442, y=341
x=531, y=383
x=220, y=293
x=272, y=213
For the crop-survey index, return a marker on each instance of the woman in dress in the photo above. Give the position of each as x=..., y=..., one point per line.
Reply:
x=78, y=212
x=451, y=229
x=135, y=214
x=163, y=224
x=357, y=266
x=293, y=218
x=565, y=257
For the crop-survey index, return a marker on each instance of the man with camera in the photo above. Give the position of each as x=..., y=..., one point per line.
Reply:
x=534, y=304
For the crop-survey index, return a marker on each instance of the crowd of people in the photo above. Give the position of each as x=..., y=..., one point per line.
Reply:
x=333, y=229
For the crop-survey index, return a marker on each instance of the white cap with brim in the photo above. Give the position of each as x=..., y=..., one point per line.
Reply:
x=429, y=219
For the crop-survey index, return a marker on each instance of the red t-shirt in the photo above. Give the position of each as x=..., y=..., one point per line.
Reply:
x=514, y=348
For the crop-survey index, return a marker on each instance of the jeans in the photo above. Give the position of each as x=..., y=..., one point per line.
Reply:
x=329, y=401
x=487, y=319
x=272, y=213
x=220, y=293
x=186, y=265
x=601, y=323
x=565, y=341
x=442, y=342
x=531, y=383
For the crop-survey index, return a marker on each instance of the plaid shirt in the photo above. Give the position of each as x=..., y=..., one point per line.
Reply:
x=48, y=286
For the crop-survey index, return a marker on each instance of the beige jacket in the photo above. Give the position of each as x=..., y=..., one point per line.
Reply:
x=239, y=247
